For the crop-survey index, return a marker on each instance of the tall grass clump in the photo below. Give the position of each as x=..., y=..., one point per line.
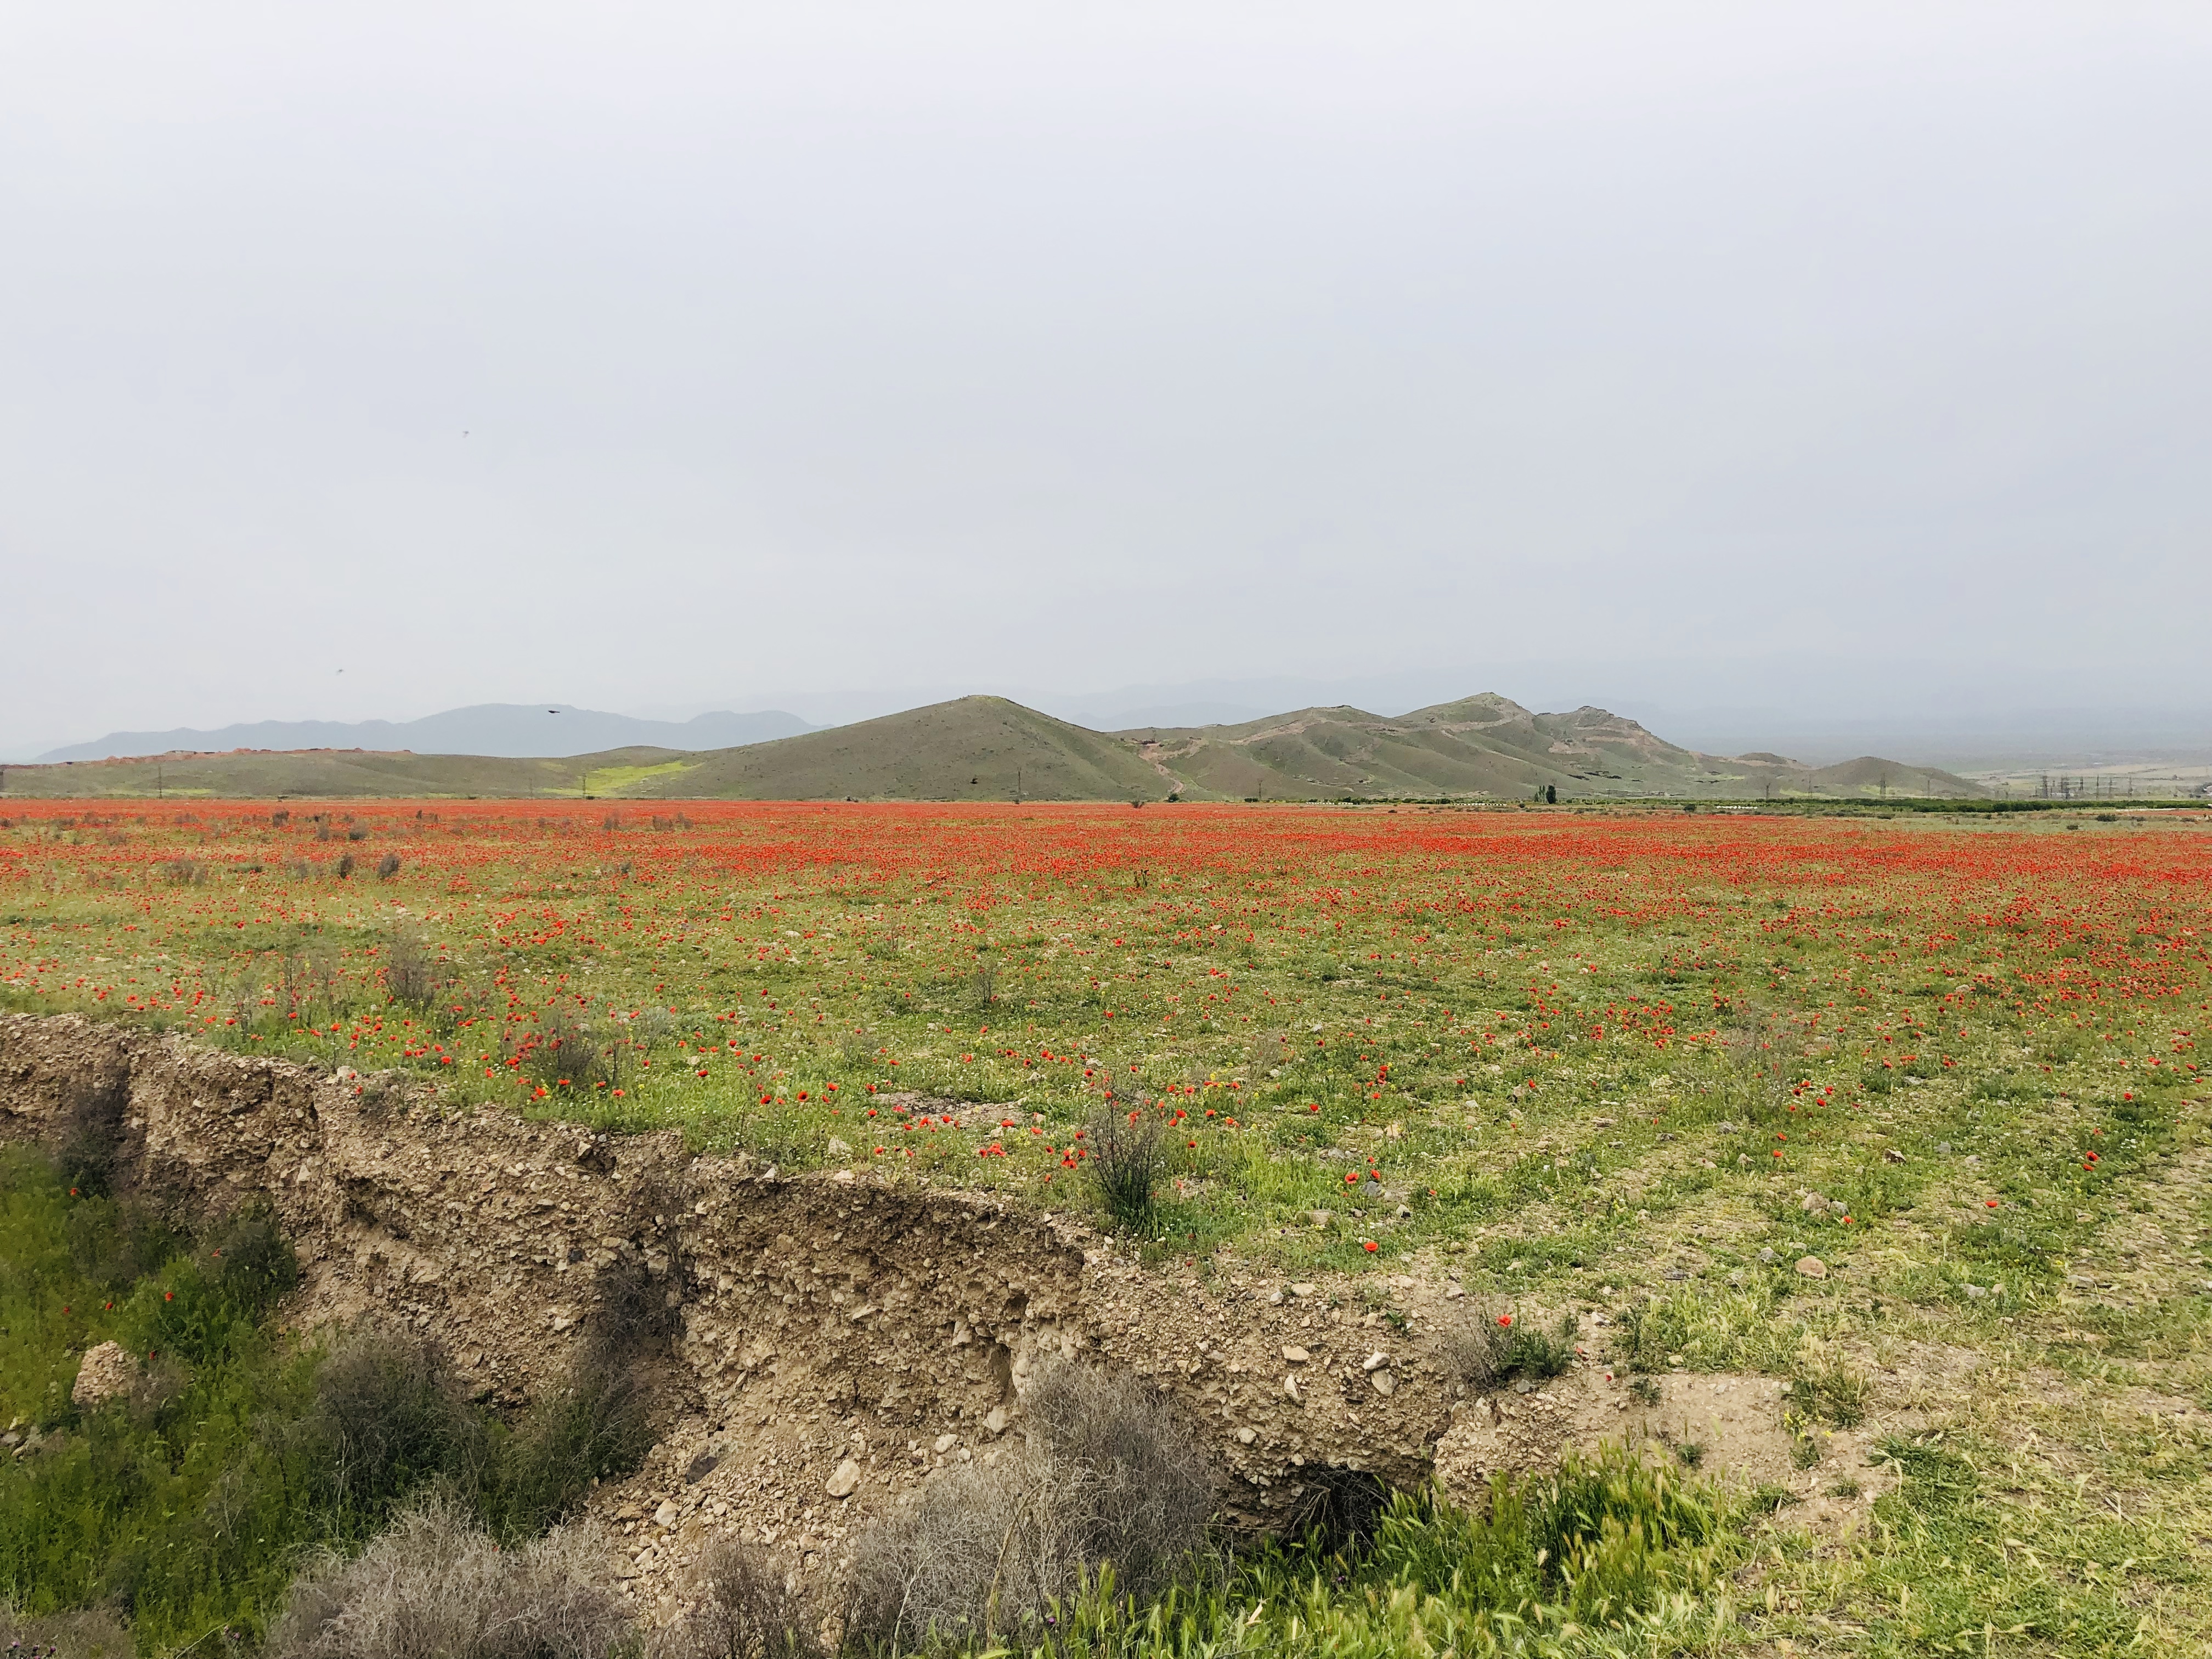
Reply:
x=1128, y=1159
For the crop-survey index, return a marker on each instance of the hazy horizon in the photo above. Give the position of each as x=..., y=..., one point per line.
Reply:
x=1844, y=371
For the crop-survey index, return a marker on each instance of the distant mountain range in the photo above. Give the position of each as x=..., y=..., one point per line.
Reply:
x=506, y=730
x=1485, y=747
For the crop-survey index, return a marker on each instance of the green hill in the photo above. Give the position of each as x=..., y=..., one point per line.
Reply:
x=970, y=749
x=979, y=748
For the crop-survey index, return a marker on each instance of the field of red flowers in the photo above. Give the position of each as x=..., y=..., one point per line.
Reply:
x=1412, y=1019
x=1641, y=1065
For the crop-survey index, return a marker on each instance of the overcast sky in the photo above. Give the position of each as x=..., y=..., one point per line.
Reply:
x=658, y=356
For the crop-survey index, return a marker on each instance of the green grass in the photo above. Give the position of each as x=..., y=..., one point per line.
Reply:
x=187, y=1505
x=1974, y=1041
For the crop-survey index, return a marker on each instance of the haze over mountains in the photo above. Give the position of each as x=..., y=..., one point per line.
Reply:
x=502, y=729
x=984, y=748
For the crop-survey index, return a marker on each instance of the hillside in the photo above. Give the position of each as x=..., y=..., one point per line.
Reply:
x=981, y=748
x=970, y=749
x=1489, y=745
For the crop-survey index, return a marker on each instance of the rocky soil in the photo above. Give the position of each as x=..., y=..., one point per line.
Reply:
x=842, y=1336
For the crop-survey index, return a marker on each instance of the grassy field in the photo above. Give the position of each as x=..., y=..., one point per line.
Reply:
x=1595, y=1059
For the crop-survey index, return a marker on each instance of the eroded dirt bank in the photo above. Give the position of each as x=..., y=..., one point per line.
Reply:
x=840, y=1336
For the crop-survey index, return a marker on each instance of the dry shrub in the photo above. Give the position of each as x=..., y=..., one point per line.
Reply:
x=1106, y=1479
x=65, y=1635
x=437, y=1586
x=749, y=1609
x=410, y=972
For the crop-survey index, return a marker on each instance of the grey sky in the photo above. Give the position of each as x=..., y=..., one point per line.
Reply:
x=828, y=348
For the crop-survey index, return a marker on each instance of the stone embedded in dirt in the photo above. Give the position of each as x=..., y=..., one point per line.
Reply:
x=996, y=1422
x=1246, y=1436
x=1376, y=1361
x=842, y=1483
x=1295, y=1354
x=1291, y=1388
x=1453, y=1292
x=944, y=1443
x=1320, y=1218
x=107, y=1370
x=1812, y=1267
x=665, y=1515
x=1765, y=1256
x=838, y=1148
x=1304, y=1287
x=1385, y=1381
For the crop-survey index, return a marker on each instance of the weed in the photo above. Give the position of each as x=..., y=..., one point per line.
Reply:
x=410, y=972
x=1834, y=1393
x=593, y=1427
x=387, y=1417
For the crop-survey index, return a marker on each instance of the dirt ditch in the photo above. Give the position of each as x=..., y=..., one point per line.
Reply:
x=840, y=1337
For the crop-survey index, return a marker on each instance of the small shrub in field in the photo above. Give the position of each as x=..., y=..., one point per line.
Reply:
x=344, y=866
x=1106, y=1484
x=594, y=1427
x=1127, y=1158
x=436, y=1586
x=747, y=1609
x=1484, y=1350
x=565, y=1050
x=410, y=972
x=387, y=1416
x=387, y=866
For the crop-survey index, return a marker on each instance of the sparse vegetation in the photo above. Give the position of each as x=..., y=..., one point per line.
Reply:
x=436, y=1585
x=1106, y=1488
x=1483, y=1350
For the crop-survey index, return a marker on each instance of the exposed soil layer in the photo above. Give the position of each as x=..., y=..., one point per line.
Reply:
x=841, y=1336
